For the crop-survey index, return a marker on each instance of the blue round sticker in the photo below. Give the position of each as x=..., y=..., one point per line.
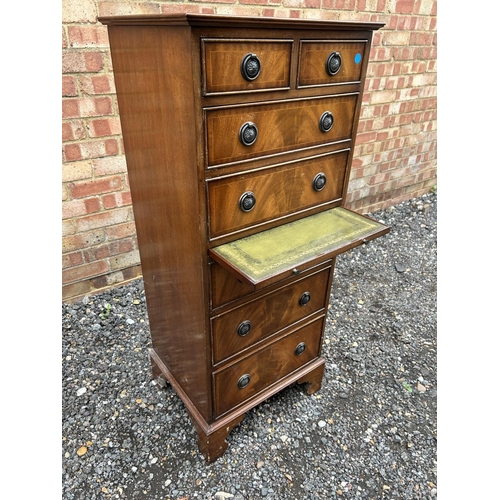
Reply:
x=357, y=58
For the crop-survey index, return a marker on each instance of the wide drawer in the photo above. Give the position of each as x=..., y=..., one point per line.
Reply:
x=242, y=65
x=244, y=132
x=248, y=377
x=259, y=319
x=243, y=200
x=330, y=62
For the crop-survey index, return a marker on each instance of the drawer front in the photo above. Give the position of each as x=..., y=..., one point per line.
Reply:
x=225, y=287
x=257, y=320
x=244, y=132
x=245, y=65
x=330, y=63
x=253, y=374
x=243, y=200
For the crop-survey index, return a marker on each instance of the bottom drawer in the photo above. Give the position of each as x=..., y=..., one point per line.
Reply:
x=251, y=375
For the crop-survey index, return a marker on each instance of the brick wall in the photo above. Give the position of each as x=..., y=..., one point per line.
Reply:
x=395, y=154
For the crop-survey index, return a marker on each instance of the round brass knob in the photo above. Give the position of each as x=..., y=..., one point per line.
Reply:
x=247, y=201
x=319, y=181
x=248, y=133
x=250, y=67
x=304, y=298
x=333, y=63
x=326, y=121
x=244, y=381
x=244, y=328
x=300, y=348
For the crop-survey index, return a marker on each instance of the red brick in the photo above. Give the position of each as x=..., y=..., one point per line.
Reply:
x=117, y=200
x=255, y=2
x=379, y=178
x=97, y=253
x=393, y=23
x=92, y=205
x=93, y=61
x=125, y=260
x=404, y=23
x=404, y=6
x=104, y=126
x=132, y=272
x=73, y=61
x=70, y=108
x=120, y=231
x=110, y=165
x=72, y=260
x=85, y=271
x=356, y=163
x=88, y=36
x=113, y=8
x=103, y=105
x=97, y=84
x=73, y=208
x=86, y=150
x=122, y=246
x=72, y=152
x=67, y=132
x=86, y=107
x=73, y=130
x=339, y=4
x=82, y=240
x=213, y=1
x=367, y=137
x=103, y=219
x=303, y=4
x=196, y=9
x=85, y=189
x=111, y=147
x=69, y=86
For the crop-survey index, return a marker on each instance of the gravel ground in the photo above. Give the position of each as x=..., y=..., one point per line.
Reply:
x=369, y=433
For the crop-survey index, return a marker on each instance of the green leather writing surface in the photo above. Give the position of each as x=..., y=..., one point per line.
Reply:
x=266, y=254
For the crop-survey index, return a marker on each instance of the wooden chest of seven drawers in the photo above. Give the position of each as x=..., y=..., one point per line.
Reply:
x=239, y=135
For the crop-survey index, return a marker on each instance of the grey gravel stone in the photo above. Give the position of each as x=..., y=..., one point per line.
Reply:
x=369, y=433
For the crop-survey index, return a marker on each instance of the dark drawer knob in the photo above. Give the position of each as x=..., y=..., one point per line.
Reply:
x=250, y=67
x=333, y=63
x=304, y=298
x=247, y=201
x=244, y=328
x=244, y=381
x=326, y=121
x=300, y=348
x=249, y=133
x=319, y=181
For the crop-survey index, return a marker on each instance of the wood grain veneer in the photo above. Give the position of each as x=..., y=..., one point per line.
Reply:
x=222, y=340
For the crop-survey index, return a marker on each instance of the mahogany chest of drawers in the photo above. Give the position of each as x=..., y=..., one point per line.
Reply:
x=239, y=135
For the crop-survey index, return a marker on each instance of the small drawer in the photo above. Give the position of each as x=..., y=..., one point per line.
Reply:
x=231, y=65
x=225, y=287
x=239, y=201
x=323, y=63
x=256, y=320
x=238, y=133
x=248, y=377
